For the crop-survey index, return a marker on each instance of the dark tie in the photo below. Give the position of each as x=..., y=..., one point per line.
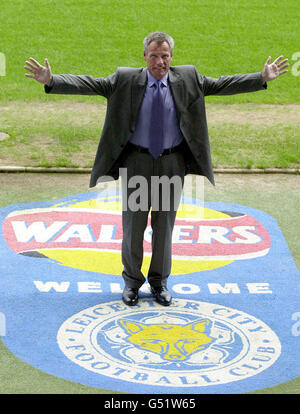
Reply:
x=156, y=133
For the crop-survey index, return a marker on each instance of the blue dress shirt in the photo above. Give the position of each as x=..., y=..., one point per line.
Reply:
x=172, y=134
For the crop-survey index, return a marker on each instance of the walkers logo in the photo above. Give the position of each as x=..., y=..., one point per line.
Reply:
x=229, y=328
x=88, y=235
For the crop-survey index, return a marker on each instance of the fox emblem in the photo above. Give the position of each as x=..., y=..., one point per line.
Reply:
x=173, y=342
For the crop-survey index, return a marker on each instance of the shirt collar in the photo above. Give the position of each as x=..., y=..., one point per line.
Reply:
x=152, y=80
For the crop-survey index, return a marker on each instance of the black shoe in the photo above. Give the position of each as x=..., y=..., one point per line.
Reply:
x=130, y=296
x=162, y=295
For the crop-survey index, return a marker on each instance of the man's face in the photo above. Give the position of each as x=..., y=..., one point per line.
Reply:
x=158, y=59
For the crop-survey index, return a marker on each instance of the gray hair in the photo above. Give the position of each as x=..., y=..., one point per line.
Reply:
x=158, y=37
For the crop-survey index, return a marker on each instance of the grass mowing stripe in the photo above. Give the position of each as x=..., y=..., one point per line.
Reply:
x=258, y=146
x=66, y=134
x=92, y=37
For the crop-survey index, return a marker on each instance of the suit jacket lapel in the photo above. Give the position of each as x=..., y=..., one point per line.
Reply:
x=138, y=86
x=178, y=91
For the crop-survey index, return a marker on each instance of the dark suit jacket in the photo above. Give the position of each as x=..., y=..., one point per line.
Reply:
x=124, y=91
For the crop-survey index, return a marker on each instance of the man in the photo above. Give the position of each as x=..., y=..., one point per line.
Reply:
x=155, y=126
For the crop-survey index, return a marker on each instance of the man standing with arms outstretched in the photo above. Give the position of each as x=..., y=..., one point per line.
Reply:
x=155, y=126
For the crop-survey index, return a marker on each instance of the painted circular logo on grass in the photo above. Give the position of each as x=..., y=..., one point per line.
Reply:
x=87, y=235
x=228, y=330
x=190, y=344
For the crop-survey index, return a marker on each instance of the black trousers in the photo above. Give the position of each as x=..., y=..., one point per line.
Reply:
x=155, y=187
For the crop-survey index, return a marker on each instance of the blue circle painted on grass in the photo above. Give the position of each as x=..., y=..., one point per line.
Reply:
x=228, y=330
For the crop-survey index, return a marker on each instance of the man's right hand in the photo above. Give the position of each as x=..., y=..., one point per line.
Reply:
x=38, y=72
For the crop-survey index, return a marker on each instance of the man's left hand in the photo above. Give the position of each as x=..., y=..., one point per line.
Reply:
x=273, y=70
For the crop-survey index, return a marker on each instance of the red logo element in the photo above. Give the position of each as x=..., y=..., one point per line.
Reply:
x=233, y=238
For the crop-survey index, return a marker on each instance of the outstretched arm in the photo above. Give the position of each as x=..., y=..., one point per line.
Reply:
x=273, y=70
x=229, y=85
x=69, y=84
x=38, y=72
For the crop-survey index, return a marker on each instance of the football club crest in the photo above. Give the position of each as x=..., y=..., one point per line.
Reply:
x=192, y=344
